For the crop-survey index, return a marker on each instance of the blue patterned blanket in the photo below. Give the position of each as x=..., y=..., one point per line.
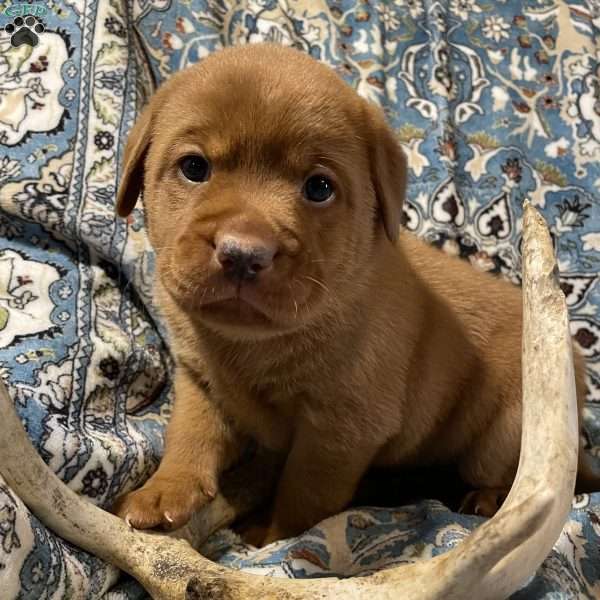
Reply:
x=492, y=102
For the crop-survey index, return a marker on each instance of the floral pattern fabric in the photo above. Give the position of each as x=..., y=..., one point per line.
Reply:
x=493, y=102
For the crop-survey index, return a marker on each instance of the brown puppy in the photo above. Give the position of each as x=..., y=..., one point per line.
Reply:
x=298, y=315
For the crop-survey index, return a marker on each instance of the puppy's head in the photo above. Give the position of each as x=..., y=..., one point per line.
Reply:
x=269, y=186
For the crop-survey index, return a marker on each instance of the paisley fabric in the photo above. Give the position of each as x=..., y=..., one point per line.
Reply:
x=493, y=102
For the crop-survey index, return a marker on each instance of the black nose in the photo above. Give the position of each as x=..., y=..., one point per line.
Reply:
x=241, y=261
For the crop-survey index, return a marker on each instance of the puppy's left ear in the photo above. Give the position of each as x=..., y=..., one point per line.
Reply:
x=388, y=170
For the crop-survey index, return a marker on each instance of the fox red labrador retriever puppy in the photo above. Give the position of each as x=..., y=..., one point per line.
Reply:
x=299, y=314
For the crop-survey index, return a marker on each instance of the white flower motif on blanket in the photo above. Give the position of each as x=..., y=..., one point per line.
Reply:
x=30, y=84
x=463, y=8
x=495, y=28
x=25, y=304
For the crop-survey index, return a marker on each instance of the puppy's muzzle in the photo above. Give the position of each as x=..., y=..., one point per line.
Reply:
x=243, y=259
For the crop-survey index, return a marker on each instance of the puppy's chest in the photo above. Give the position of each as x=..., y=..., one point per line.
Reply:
x=273, y=384
x=264, y=393
x=279, y=396
x=266, y=409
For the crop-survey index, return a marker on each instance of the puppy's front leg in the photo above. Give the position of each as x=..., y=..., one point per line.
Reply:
x=319, y=479
x=199, y=446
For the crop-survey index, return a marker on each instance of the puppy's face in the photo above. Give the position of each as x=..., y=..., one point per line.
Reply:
x=268, y=185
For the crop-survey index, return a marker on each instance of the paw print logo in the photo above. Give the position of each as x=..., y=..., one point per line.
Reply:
x=24, y=31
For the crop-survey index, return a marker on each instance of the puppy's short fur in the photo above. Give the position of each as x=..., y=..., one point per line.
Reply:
x=352, y=343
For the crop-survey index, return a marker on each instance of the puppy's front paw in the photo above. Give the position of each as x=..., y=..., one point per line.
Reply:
x=163, y=503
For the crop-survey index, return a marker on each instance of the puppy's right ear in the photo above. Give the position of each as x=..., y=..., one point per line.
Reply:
x=132, y=177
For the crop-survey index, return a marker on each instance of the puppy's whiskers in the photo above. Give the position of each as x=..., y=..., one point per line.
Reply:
x=317, y=282
x=293, y=300
x=179, y=280
x=161, y=248
x=203, y=295
x=304, y=304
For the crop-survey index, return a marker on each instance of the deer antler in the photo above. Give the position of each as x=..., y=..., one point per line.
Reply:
x=493, y=562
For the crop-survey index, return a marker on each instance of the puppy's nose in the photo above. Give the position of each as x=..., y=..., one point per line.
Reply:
x=243, y=260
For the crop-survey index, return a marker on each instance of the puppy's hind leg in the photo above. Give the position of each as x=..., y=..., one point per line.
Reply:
x=490, y=463
x=588, y=474
x=588, y=477
x=485, y=502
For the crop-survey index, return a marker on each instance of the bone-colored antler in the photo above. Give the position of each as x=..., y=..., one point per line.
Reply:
x=493, y=562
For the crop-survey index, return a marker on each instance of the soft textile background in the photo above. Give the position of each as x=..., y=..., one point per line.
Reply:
x=493, y=102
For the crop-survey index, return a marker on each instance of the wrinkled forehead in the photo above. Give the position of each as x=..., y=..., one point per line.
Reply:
x=243, y=118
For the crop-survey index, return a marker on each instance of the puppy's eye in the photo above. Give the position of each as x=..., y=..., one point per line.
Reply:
x=195, y=168
x=318, y=188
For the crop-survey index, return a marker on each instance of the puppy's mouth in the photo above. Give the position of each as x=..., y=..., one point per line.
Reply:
x=228, y=305
x=235, y=310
